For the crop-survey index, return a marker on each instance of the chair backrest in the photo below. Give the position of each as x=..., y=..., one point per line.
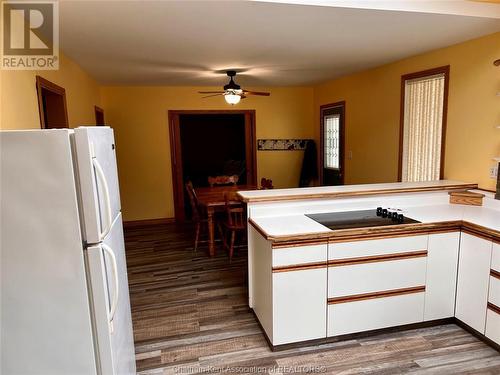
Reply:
x=235, y=212
x=193, y=201
x=223, y=180
x=266, y=183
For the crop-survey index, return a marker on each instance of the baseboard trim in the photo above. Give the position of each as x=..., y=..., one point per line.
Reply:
x=477, y=334
x=148, y=222
x=359, y=335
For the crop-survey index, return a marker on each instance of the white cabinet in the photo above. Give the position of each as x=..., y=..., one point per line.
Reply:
x=373, y=277
x=493, y=325
x=493, y=312
x=494, y=291
x=299, y=282
x=368, y=248
x=295, y=255
x=299, y=305
x=473, y=279
x=375, y=313
x=441, y=278
x=376, y=284
x=495, y=257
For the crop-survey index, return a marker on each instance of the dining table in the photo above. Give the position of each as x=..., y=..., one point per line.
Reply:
x=213, y=199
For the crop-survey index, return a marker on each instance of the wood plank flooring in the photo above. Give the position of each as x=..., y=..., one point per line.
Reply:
x=190, y=316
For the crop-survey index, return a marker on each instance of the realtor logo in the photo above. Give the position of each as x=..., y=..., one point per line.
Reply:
x=30, y=35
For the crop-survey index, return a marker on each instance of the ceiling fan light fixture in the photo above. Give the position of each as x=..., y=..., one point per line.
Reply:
x=232, y=98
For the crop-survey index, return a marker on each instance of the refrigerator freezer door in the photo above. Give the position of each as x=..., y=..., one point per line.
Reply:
x=111, y=303
x=45, y=319
x=98, y=180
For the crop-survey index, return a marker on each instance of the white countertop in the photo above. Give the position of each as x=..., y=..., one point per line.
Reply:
x=283, y=194
x=299, y=224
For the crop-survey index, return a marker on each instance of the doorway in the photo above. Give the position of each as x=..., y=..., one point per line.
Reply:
x=210, y=143
x=332, y=137
x=51, y=104
x=99, y=116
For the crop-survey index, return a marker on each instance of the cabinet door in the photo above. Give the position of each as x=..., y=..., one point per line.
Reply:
x=473, y=278
x=493, y=325
x=441, y=278
x=299, y=305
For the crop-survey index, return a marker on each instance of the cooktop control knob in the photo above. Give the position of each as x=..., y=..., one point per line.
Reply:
x=391, y=214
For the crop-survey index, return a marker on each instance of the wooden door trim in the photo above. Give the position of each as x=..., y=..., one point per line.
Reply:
x=176, y=150
x=322, y=109
x=42, y=83
x=96, y=111
x=424, y=73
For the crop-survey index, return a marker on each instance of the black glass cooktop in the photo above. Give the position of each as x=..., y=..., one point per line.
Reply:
x=360, y=219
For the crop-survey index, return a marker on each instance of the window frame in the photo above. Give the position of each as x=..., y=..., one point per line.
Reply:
x=339, y=116
x=323, y=109
x=445, y=70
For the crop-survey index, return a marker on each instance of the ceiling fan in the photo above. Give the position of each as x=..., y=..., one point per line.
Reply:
x=233, y=92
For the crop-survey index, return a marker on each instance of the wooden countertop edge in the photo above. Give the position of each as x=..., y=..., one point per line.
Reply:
x=343, y=194
x=361, y=234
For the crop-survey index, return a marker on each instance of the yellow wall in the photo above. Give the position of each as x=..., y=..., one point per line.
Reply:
x=19, y=104
x=372, y=113
x=139, y=117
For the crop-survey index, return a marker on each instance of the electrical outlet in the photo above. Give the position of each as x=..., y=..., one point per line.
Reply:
x=494, y=171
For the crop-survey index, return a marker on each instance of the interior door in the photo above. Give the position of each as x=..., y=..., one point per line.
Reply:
x=111, y=303
x=332, y=144
x=98, y=179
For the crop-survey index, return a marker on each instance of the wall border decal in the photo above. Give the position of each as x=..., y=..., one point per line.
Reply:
x=282, y=144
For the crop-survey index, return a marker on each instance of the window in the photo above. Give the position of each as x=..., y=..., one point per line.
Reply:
x=332, y=141
x=332, y=130
x=424, y=102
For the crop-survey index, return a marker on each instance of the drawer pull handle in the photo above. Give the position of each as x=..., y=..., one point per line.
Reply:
x=377, y=258
x=381, y=294
x=494, y=307
x=299, y=267
x=495, y=274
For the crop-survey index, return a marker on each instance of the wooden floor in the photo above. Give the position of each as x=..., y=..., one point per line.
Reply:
x=190, y=315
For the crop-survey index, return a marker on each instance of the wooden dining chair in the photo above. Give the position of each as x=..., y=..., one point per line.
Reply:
x=266, y=183
x=223, y=180
x=235, y=222
x=196, y=216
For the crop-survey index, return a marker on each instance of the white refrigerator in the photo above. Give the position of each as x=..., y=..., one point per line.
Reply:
x=65, y=306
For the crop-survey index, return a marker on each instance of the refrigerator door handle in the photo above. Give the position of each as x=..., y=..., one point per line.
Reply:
x=102, y=177
x=114, y=301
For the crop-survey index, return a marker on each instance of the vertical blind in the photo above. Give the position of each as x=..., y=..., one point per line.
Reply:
x=423, y=128
x=332, y=141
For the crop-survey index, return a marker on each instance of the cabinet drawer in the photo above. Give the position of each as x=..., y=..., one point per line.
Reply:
x=377, y=276
x=495, y=257
x=494, y=292
x=369, y=314
x=295, y=255
x=394, y=245
x=493, y=325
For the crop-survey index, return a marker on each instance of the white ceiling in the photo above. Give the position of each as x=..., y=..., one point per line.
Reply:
x=274, y=44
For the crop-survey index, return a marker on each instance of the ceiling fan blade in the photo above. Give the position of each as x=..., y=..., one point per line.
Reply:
x=260, y=93
x=209, y=96
x=210, y=92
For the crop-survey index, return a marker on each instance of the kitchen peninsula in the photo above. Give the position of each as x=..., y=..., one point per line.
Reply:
x=417, y=260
